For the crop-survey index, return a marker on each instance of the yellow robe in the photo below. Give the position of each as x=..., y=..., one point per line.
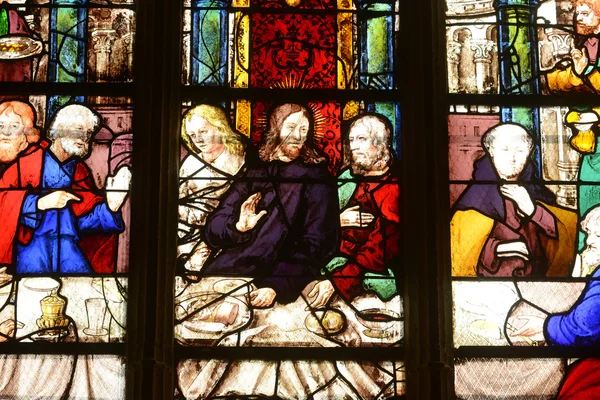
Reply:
x=567, y=81
x=470, y=229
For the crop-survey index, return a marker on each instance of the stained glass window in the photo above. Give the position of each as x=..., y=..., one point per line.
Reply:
x=289, y=193
x=523, y=126
x=65, y=178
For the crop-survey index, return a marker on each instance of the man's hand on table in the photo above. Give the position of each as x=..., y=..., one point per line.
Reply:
x=530, y=327
x=7, y=328
x=4, y=276
x=320, y=294
x=263, y=297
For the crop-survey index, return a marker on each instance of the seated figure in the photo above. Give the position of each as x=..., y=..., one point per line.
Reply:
x=279, y=222
x=370, y=217
x=504, y=224
x=215, y=156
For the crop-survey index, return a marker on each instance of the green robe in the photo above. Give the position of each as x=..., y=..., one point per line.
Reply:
x=384, y=288
x=589, y=195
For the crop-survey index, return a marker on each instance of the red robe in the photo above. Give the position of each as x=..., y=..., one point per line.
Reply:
x=18, y=181
x=370, y=249
x=582, y=382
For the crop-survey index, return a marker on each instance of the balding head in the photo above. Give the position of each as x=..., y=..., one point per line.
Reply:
x=72, y=129
x=509, y=146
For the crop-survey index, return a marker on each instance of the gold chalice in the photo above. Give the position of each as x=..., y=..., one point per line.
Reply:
x=53, y=320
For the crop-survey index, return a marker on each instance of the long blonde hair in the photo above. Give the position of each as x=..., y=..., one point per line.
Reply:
x=217, y=118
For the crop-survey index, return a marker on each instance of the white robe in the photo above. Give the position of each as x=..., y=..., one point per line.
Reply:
x=201, y=187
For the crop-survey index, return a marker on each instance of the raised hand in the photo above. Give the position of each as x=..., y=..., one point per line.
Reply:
x=262, y=297
x=248, y=216
x=353, y=217
x=117, y=188
x=580, y=60
x=513, y=249
x=520, y=196
x=320, y=294
x=56, y=200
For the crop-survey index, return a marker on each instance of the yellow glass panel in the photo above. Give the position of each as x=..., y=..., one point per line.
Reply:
x=242, y=117
x=241, y=54
x=345, y=4
x=351, y=109
x=346, y=57
x=241, y=3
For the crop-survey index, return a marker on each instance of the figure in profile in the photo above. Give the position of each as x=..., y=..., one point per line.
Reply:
x=579, y=326
x=279, y=223
x=215, y=156
x=54, y=219
x=369, y=217
x=582, y=74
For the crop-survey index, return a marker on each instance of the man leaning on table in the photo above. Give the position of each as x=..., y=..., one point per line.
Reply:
x=369, y=197
x=577, y=327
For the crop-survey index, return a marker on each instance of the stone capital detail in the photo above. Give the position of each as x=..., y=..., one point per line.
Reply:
x=454, y=51
x=103, y=40
x=473, y=7
x=483, y=50
x=562, y=42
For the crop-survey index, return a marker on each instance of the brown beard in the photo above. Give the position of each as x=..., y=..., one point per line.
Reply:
x=9, y=151
x=586, y=30
x=287, y=150
x=368, y=164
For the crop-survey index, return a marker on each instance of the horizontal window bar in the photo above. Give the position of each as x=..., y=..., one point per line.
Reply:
x=508, y=100
x=43, y=347
x=117, y=89
x=216, y=93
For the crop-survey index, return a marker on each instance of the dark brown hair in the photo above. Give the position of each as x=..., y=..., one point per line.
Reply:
x=270, y=140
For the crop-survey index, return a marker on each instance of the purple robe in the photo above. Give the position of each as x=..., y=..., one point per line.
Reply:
x=292, y=242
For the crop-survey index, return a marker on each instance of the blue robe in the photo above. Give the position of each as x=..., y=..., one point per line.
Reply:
x=54, y=245
x=580, y=326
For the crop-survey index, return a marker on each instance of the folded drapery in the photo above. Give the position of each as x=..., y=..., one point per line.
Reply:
x=99, y=377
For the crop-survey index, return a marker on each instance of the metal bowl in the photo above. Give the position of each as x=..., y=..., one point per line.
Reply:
x=377, y=319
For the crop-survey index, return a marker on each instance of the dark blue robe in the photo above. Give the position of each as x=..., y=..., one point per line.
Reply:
x=292, y=242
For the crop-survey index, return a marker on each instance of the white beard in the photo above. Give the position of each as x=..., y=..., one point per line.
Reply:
x=591, y=255
x=71, y=149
